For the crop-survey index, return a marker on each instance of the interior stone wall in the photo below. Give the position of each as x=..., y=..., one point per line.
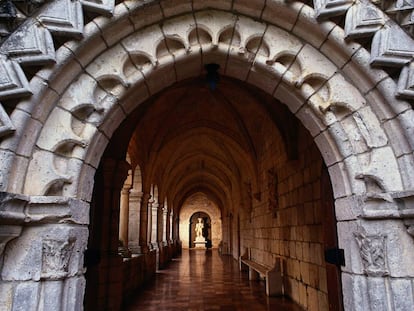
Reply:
x=290, y=225
x=199, y=202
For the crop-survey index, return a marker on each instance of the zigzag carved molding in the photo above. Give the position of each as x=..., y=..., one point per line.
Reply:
x=32, y=43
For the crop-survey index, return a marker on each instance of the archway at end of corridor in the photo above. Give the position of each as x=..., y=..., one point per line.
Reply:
x=199, y=205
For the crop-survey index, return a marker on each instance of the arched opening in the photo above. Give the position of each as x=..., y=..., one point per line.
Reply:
x=222, y=156
x=268, y=191
x=200, y=226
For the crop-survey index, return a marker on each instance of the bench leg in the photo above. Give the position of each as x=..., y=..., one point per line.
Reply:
x=274, y=284
x=253, y=274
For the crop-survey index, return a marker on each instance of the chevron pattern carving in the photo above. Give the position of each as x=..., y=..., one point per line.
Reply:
x=329, y=8
x=6, y=126
x=32, y=43
x=363, y=21
x=64, y=17
x=13, y=82
x=391, y=46
x=104, y=7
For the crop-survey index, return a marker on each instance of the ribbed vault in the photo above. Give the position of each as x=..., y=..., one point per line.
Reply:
x=193, y=138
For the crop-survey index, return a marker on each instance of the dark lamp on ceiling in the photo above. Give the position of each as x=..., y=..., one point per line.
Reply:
x=213, y=76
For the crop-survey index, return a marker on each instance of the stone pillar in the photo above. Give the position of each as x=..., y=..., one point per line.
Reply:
x=43, y=269
x=165, y=225
x=135, y=198
x=160, y=225
x=168, y=226
x=144, y=223
x=108, y=273
x=124, y=216
x=154, y=224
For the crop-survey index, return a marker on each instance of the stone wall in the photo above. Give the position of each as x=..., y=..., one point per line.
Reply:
x=287, y=221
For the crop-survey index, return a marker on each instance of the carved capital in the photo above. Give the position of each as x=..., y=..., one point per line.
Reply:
x=56, y=255
x=373, y=253
x=390, y=205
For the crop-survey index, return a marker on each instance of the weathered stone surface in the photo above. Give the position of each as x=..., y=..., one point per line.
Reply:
x=103, y=6
x=363, y=20
x=64, y=17
x=329, y=8
x=31, y=264
x=32, y=45
x=13, y=82
x=391, y=46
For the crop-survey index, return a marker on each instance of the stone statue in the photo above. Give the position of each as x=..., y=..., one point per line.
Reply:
x=199, y=228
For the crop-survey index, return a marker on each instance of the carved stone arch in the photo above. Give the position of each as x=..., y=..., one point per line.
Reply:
x=363, y=132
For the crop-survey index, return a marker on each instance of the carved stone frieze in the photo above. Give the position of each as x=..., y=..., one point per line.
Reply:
x=373, y=253
x=391, y=46
x=363, y=20
x=64, y=17
x=13, y=82
x=56, y=255
x=33, y=45
x=6, y=126
x=390, y=205
x=405, y=88
x=329, y=8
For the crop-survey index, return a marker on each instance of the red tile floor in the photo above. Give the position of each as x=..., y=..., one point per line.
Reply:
x=204, y=280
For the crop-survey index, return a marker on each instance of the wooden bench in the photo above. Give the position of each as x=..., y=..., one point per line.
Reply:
x=272, y=276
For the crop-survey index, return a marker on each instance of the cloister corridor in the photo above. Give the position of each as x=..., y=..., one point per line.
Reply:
x=231, y=158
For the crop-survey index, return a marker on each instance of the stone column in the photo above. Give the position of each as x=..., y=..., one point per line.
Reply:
x=110, y=267
x=165, y=225
x=168, y=226
x=160, y=225
x=124, y=216
x=154, y=224
x=144, y=223
x=135, y=198
x=43, y=269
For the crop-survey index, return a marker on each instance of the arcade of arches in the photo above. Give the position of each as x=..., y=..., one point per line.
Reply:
x=281, y=125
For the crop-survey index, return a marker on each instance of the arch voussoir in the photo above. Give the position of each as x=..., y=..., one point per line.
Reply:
x=361, y=129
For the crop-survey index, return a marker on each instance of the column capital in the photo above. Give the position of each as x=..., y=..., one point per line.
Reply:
x=114, y=172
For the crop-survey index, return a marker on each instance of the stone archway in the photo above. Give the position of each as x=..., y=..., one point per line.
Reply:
x=200, y=203
x=362, y=131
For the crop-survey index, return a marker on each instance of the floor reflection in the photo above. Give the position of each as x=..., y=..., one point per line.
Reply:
x=204, y=280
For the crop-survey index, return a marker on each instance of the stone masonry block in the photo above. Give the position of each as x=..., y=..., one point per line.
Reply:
x=215, y=22
x=402, y=293
x=174, y=7
x=355, y=292
x=60, y=124
x=337, y=49
x=37, y=253
x=310, y=120
x=381, y=167
x=340, y=180
x=281, y=13
x=327, y=142
x=122, y=28
x=406, y=165
x=348, y=208
x=308, y=27
x=362, y=79
x=217, y=4
x=143, y=13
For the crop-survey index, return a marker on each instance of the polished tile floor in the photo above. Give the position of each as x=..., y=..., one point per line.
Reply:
x=204, y=280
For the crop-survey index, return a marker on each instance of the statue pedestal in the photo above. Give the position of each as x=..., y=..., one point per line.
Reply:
x=200, y=242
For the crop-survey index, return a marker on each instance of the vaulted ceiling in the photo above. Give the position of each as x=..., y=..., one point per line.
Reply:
x=192, y=138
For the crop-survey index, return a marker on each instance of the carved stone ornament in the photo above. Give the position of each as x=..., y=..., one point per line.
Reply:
x=56, y=256
x=373, y=253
